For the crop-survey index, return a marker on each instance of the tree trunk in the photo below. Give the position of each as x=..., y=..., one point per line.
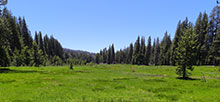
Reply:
x=184, y=72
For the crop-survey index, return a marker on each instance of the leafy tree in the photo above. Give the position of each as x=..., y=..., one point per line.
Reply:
x=186, y=52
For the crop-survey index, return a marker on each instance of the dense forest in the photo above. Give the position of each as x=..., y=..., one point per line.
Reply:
x=203, y=38
x=19, y=48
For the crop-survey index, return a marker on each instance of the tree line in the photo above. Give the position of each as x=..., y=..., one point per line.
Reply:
x=200, y=42
x=19, y=48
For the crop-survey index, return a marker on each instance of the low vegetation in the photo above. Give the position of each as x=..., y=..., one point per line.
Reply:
x=108, y=83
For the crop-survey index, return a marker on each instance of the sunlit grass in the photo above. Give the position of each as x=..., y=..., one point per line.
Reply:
x=108, y=83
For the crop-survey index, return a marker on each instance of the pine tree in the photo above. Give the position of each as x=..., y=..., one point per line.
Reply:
x=215, y=50
x=26, y=54
x=104, y=55
x=36, y=38
x=109, y=55
x=25, y=33
x=204, y=41
x=157, y=52
x=148, y=52
x=198, y=32
x=175, y=44
x=142, y=50
x=179, y=32
x=17, y=58
x=136, y=52
x=97, y=58
x=4, y=56
x=164, y=57
x=152, y=60
x=40, y=42
x=112, y=54
x=213, y=26
x=130, y=53
x=15, y=39
x=36, y=55
x=186, y=52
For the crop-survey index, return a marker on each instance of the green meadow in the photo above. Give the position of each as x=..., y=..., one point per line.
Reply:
x=108, y=83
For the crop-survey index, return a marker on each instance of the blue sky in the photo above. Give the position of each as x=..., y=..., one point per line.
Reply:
x=94, y=24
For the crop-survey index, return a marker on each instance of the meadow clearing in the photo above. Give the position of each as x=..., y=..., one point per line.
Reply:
x=108, y=83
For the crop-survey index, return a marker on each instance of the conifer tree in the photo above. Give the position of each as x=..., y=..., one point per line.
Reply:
x=186, y=52
x=25, y=33
x=40, y=42
x=37, y=55
x=26, y=54
x=164, y=57
x=148, y=52
x=152, y=60
x=109, y=55
x=97, y=58
x=136, y=52
x=130, y=53
x=157, y=52
x=112, y=54
x=4, y=56
x=142, y=50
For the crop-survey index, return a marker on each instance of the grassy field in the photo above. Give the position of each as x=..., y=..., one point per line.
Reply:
x=108, y=83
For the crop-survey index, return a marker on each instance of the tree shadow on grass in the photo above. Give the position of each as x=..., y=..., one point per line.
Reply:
x=7, y=70
x=187, y=78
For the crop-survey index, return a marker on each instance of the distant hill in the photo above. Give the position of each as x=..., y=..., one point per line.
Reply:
x=69, y=51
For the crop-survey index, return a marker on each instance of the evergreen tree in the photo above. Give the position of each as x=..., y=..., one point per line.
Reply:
x=152, y=60
x=112, y=54
x=142, y=50
x=213, y=26
x=186, y=52
x=109, y=55
x=179, y=32
x=26, y=54
x=97, y=58
x=130, y=53
x=37, y=55
x=25, y=33
x=148, y=52
x=104, y=55
x=36, y=38
x=175, y=44
x=164, y=57
x=15, y=39
x=17, y=58
x=4, y=56
x=157, y=52
x=215, y=50
x=136, y=52
x=40, y=42
x=204, y=40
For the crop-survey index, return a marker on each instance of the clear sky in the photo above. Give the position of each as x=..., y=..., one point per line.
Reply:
x=94, y=24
